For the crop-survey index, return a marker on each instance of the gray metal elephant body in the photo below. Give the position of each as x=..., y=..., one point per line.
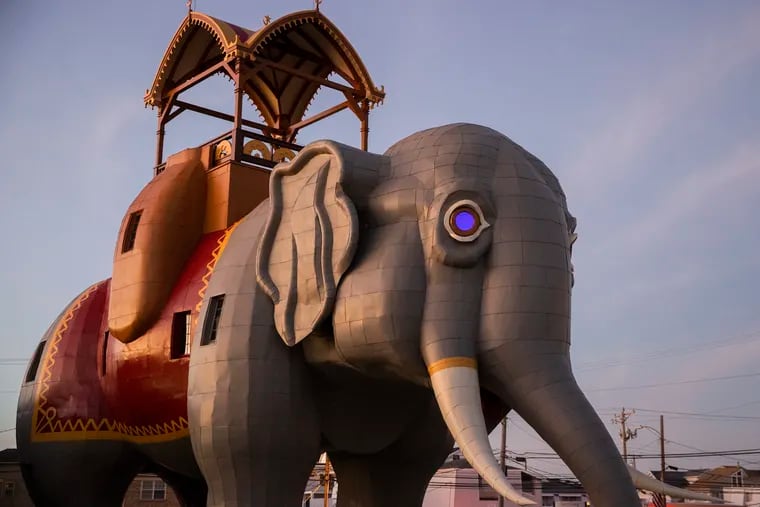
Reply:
x=372, y=308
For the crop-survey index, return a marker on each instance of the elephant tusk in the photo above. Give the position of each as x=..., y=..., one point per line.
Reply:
x=643, y=481
x=457, y=391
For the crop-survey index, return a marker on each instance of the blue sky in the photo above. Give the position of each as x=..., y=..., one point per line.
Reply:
x=648, y=113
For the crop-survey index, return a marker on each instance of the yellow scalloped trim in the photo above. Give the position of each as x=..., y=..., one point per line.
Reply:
x=45, y=423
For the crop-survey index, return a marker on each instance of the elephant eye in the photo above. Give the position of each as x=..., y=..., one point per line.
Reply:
x=464, y=221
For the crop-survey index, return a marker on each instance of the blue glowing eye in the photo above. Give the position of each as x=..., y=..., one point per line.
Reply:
x=465, y=220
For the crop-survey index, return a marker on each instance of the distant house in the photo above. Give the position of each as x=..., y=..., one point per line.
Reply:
x=734, y=483
x=149, y=489
x=13, y=491
x=563, y=493
x=456, y=484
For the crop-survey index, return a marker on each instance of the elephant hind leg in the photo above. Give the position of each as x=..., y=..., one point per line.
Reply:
x=92, y=473
x=190, y=492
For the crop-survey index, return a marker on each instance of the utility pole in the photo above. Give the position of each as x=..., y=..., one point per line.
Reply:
x=503, y=453
x=625, y=433
x=327, y=481
x=662, y=449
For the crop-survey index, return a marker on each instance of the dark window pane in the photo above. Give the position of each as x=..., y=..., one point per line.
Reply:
x=31, y=374
x=180, y=335
x=211, y=322
x=130, y=233
x=104, y=353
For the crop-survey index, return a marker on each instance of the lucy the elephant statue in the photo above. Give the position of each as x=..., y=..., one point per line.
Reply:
x=376, y=307
x=376, y=301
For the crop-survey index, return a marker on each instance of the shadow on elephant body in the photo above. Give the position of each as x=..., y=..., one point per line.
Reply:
x=88, y=473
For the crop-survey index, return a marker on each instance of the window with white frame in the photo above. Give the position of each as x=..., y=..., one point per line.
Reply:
x=152, y=489
x=737, y=479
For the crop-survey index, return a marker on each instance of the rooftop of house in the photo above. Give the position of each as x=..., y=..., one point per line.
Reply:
x=723, y=476
x=562, y=487
x=9, y=456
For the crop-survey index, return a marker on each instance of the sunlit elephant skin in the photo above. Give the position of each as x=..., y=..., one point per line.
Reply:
x=367, y=279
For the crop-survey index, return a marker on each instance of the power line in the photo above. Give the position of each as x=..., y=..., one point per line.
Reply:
x=700, y=415
x=681, y=382
x=670, y=351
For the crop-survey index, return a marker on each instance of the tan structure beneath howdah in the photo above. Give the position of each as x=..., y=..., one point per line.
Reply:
x=234, y=190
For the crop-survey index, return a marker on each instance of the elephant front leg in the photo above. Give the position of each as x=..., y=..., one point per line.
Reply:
x=399, y=474
x=253, y=427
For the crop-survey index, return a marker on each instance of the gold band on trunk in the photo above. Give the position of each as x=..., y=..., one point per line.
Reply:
x=452, y=362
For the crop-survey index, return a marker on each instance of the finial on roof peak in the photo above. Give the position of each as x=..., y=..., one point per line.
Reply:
x=316, y=4
x=266, y=20
x=189, y=4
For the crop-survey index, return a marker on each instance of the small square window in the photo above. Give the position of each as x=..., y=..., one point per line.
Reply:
x=181, y=325
x=211, y=322
x=152, y=489
x=130, y=233
x=31, y=374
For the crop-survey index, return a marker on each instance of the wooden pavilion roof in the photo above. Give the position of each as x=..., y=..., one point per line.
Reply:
x=280, y=66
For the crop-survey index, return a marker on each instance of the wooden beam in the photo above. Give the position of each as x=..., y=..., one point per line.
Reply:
x=319, y=116
x=350, y=79
x=174, y=114
x=277, y=142
x=218, y=114
x=204, y=110
x=356, y=108
x=221, y=66
x=258, y=161
x=305, y=75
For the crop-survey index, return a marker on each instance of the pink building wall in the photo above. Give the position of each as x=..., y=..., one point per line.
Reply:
x=458, y=487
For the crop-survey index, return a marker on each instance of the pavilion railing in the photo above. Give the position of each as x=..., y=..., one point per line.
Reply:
x=257, y=150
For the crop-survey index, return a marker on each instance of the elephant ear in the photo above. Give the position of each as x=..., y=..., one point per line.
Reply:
x=312, y=232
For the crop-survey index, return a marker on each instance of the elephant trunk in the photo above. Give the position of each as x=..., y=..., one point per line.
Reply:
x=542, y=389
x=448, y=348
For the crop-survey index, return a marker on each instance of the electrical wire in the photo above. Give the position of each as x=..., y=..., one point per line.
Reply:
x=667, y=352
x=674, y=383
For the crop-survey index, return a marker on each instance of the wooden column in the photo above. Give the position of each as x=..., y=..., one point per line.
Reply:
x=365, y=124
x=160, y=139
x=237, y=121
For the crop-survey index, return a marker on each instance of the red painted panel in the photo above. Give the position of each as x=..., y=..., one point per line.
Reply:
x=142, y=393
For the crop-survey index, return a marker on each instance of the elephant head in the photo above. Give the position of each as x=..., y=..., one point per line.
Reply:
x=446, y=262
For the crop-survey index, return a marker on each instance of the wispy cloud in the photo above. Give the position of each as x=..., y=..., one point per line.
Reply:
x=662, y=97
x=728, y=182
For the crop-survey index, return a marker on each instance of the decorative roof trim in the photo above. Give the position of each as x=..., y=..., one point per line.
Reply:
x=222, y=32
x=229, y=39
x=258, y=40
